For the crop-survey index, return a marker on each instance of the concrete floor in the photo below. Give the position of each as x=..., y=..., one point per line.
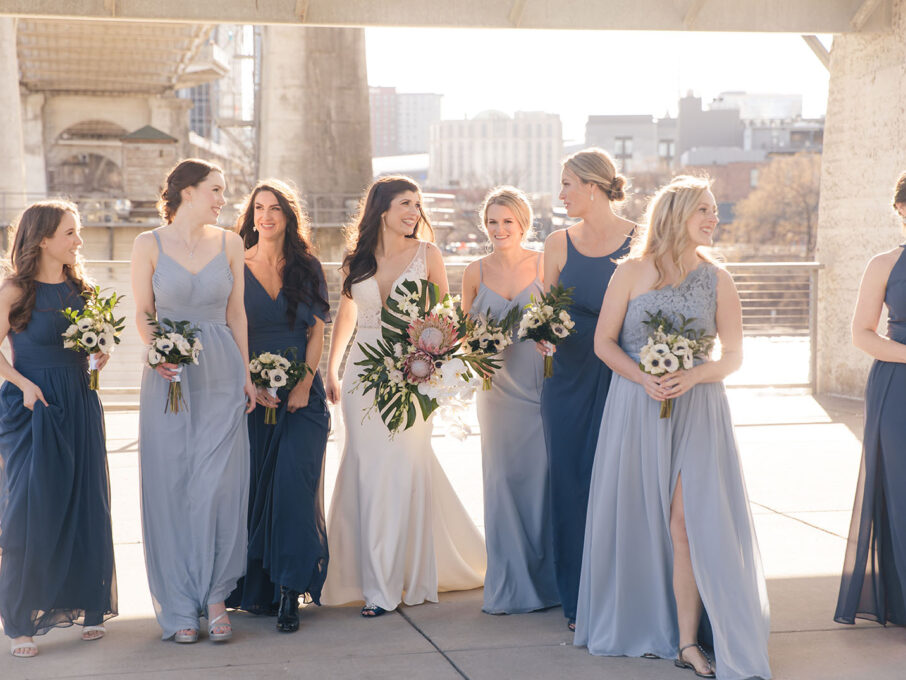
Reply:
x=801, y=458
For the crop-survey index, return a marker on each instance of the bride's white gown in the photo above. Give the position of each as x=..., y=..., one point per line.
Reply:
x=397, y=531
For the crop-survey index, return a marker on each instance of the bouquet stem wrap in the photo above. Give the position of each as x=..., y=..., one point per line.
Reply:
x=93, y=378
x=270, y=413
x=667, y=408
x=174, y=394
x=548, y=366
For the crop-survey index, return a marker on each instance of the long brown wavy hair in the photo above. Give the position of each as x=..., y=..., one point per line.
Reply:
x=362, y=237
x=38, y=221
x=302, y=275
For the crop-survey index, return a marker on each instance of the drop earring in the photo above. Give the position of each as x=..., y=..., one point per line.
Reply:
x=592, y=195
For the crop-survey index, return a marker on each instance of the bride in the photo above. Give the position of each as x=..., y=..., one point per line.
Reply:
x=397, y=530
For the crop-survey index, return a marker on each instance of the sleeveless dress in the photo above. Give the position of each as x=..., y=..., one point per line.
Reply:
x=572, y=402
x=57, y=565
x=398, y=531
x=194, y=464
x=287, y=536
x=873, y=585
x=517, y=519
x=626, y=602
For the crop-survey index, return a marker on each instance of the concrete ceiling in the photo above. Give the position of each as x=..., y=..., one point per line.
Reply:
x=113, y=57
x=794, y=16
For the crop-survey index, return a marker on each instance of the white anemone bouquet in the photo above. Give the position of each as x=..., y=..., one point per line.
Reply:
x=671, y=347
x=547, y=320
x=489, y=336
x=274, y=371
x=174, y=342
x=93, y=329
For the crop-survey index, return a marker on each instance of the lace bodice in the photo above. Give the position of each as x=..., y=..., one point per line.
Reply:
x=694, y=297
x=367, y=296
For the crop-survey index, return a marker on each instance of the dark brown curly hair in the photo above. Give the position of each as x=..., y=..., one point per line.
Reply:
x=38, y=221
x=188, y=173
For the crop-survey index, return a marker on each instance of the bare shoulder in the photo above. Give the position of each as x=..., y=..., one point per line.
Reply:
x=472, y=268
x=432, y=250
x=233, y=240
x=556, y=240
x=144, y=244
x=9, y=292
x=884, y=262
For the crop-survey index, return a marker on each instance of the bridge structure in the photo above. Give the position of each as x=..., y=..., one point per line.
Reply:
x=864, y=139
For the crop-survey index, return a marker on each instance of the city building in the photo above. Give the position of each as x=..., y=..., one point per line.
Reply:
x=401, y=121
x=384, y=107
x=637, y=143
x=493, y=148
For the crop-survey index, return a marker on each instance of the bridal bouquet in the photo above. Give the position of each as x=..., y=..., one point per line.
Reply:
x=421, y=358
x=547, y=320
x=273, y=371
x=93, y=329
x=489, y=336
x=671, y=348
x=173, y=342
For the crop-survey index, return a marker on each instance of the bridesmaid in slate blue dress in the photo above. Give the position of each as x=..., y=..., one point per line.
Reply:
x=57, y=547
x=286, y=304
x=517, y=522
x=582, y=257
x=194, y=464
x=669, y=530
x=874, y=572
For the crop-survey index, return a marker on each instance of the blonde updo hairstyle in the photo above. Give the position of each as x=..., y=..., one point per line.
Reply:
x=514, y=199
x=595, y=166
x=664, y=236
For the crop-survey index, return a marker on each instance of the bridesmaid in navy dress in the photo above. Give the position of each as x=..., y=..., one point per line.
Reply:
x=286, y=304
x=581, y=257
x=874, y=571
x=55, y=536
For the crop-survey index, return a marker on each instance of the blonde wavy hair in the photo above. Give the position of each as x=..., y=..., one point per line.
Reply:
x=664, y=236
x=595, y=166
x=514, y=199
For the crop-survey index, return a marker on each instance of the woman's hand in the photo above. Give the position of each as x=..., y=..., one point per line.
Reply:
x=545, y=348
x=251, y=394
x=678, y=383
x=263, y=397
x=298, y=397
x=333, y=388
x=32, y=394
x=167, y=371
x=102, y=359
x=653, y=386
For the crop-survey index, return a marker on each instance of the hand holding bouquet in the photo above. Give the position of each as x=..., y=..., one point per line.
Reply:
x=547, y=320
x=93, y=329
x=173, y=342
x=671, y=348
x=488, y=336
x=273, y=371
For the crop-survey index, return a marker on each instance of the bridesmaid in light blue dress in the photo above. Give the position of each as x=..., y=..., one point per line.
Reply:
x=194, y=464
x=518, y=534
x=669, y=530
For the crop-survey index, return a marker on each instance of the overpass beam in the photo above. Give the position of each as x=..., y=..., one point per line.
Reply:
x=863, y=14
x=12, y=143
x=819, y=49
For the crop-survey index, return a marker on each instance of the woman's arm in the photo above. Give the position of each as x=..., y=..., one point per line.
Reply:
x=299, y=396
x=554, y=258
x=235, y=311
x=729, y=330
x=31, y=393
x=142, y=269
x=343, y=327
x=437, y=272
x=470, y=281
x=867, y=314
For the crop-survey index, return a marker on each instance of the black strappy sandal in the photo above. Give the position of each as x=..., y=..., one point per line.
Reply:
x=682, y=663
x=370, y=611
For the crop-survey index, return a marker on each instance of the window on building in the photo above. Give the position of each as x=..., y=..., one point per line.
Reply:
x=753, y=177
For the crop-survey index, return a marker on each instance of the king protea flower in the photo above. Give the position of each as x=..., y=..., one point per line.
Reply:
x=433, y=334
x=419, y=367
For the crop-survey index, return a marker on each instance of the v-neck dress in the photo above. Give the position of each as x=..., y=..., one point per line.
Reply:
x=517, y=519
x=194, y=464
x=287, y=536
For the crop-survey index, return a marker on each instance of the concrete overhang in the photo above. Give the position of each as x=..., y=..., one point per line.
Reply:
x=791, y=16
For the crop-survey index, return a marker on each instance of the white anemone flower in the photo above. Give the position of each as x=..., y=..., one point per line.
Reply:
x=89, y=339
x=68, y=344
x=254, y=366
x=277, y=377
x=85, y=324
x=106, y=342
x=164, y=345
x=154, y=357
x=670, y=363
x=71, y=331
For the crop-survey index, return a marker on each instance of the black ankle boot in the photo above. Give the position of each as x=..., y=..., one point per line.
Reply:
x=288, y=614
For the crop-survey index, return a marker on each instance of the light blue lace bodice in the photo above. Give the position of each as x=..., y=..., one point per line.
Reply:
x=694, y=297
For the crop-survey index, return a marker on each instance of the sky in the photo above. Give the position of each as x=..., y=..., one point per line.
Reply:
x=582, y=73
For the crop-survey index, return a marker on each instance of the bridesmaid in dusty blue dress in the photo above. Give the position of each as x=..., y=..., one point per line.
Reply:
x=581, y=257
x=194, y=464
x=669, y=528
x=286, y=304
x=517, y=523
x=57, y=563
x=874, y=572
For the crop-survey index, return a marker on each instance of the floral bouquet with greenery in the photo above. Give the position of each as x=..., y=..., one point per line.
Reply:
x=489, y=336
x=273, y=371
x=93, y=329
x=671, y=347
x=547, y=320
x=173, y=342
x=421, y=358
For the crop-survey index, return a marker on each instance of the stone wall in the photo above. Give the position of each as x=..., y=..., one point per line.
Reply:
x=864, y=152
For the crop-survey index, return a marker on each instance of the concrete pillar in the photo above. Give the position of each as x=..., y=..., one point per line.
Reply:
x=864, y=152
x=12, y=151
x=33, y=142
x=314, y=120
